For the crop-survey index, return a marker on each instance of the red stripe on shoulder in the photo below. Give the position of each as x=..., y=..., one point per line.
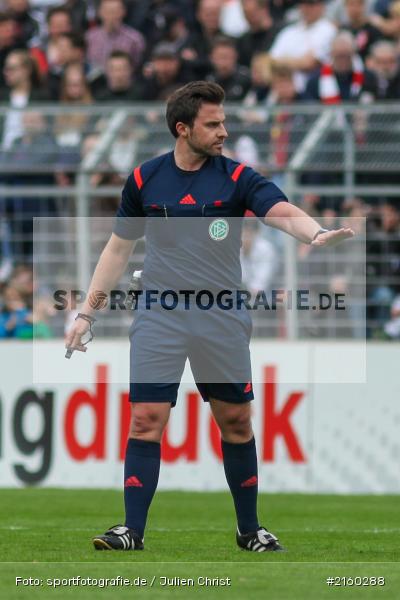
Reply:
x=138, y=177
x=236, y=173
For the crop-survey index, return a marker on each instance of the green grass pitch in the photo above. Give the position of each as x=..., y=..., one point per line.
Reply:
x=46, y=533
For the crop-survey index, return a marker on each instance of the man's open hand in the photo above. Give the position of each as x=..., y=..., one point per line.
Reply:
x=333, y=237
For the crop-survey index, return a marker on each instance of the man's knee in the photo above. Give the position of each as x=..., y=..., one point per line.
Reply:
x=238, y=424
x=148, y=421
x=235, y=423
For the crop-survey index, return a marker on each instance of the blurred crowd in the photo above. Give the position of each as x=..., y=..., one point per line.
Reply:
x=117, y=51
x=20, y=316
x=264, y=53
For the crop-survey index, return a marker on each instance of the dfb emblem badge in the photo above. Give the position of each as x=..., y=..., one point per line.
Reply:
x=219, y=230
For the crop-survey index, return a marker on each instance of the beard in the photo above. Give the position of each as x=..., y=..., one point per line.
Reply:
x=202, y=150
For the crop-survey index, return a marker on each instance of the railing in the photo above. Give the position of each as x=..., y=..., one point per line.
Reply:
x=71, y=163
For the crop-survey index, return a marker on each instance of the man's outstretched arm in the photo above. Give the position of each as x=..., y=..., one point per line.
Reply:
x=296, y=222
x=110, y=267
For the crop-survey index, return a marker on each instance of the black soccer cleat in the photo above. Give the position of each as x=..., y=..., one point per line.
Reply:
x=118, y=537
x=258, y=541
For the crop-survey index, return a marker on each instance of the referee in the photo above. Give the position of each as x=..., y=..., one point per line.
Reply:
x=198, y=182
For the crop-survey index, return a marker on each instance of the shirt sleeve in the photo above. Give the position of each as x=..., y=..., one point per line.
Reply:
x=321, y=42
x=279, y=48
x=258, y=193
x=129, y=220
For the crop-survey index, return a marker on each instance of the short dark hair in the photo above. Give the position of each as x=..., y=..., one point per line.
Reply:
x=223, y=40
x=77, y=40
x=29, y=63
x=58, y=9
x=184, y=104
x=6, y=16
x=121, y=54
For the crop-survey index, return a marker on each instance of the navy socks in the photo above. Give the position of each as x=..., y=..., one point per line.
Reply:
x=240, y=464
x=142, y=468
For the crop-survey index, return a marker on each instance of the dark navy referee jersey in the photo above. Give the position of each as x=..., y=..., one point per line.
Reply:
x=183, y=253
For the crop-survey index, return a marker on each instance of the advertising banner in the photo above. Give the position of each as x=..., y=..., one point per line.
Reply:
x=311, y=437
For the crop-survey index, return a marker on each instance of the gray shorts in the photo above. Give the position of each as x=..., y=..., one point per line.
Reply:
x=215, y=342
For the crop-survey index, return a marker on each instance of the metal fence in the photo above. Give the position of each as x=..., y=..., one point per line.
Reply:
x=340, y=161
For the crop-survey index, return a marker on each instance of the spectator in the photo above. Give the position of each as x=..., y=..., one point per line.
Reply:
x=152, y=17
x=245, y=150
x=104, y=206
x=258, y=258
x=71, y=128
x=35, y=147
x=27, y=27
x=336, y=11
x=15, y=317
x=260, y=263
x=392, y=327
x=233, y=22
x=164, y=74
x=69, y=47
x=30, y=162
x=74, y=87
x=82, y=14
x=383, y=264
x=344, y=79
x=8, y=41
x=358, y=24
x=112, y=34
x=166, y=23
x=60, y=40
x=390, y=27
x=23, y=86
x=59, y=22
x=282, y=85
x=279, y=8
x=233, y=78
x=120, y=82
x=6, y=260
x=260, y=73
x=43, y=311
x=66, y=48
x=262, y=31
x=22, y=280
x=383, y=62
x=208, y=15
x=305, y=45
x=285, y=127
x=250, y=146
x=381, y=8
x=40, y=10
x=175, y=30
